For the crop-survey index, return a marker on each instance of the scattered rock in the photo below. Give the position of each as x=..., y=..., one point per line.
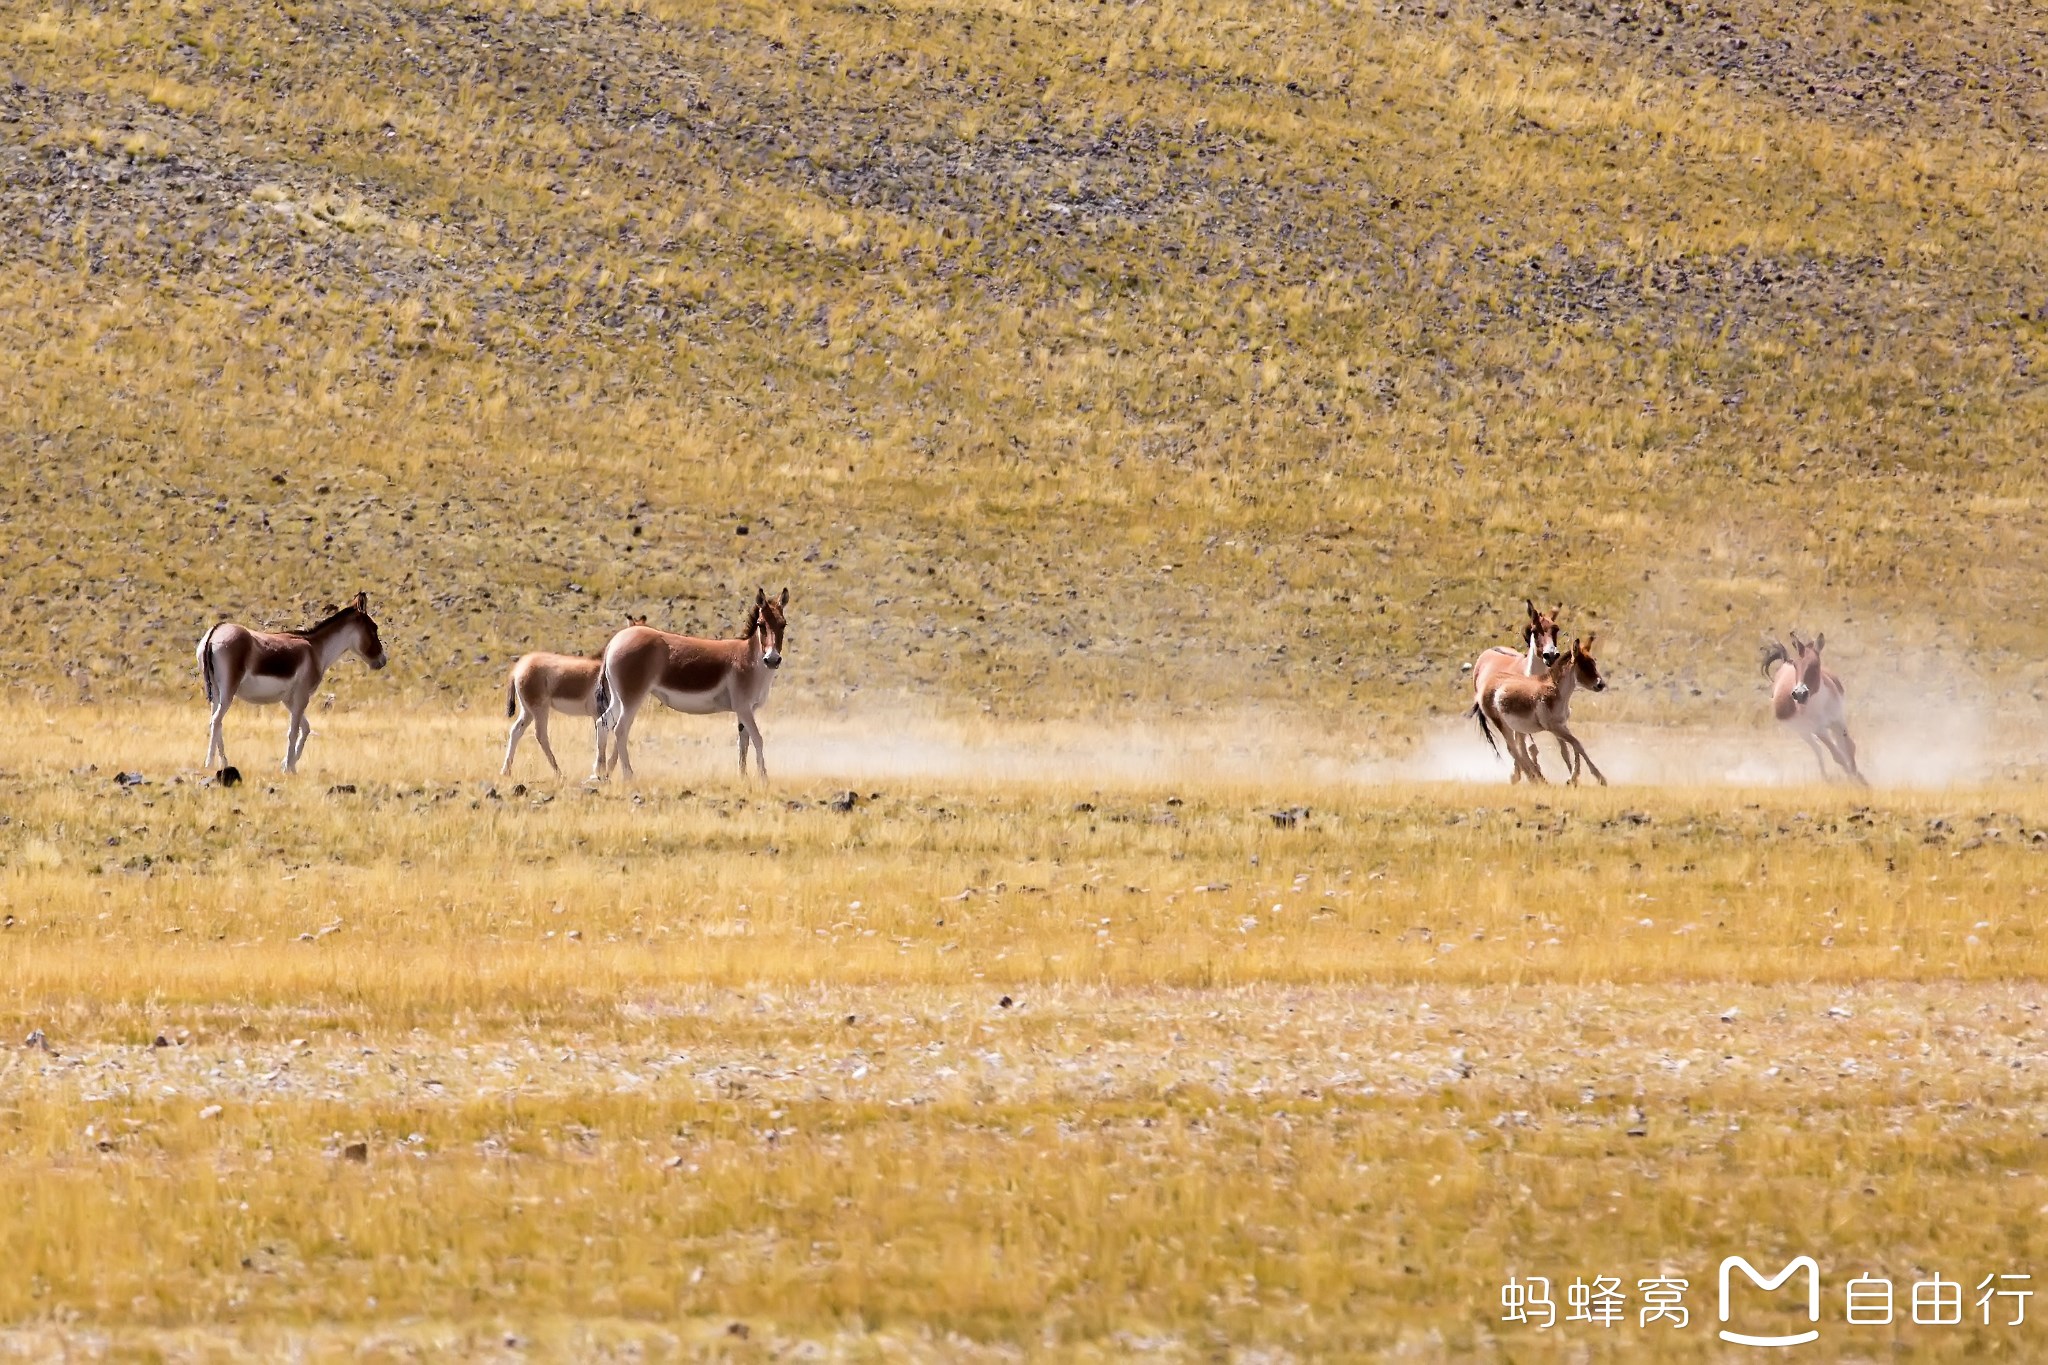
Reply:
x=342, y=789
x=38, y=1041
x=229, y=777
x=1005, y=1003
x=128, y=779
x=844, y=802
x=1289, y=818
x=356, y=1151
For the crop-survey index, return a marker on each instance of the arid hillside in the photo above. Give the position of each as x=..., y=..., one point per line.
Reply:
x=1059, y=357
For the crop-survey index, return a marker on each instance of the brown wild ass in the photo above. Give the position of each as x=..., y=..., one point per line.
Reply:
x=1530, y=706
x=698, y=677
x=541, y=683
x=266, y=666
x=1810, y=699
x=1539, y=642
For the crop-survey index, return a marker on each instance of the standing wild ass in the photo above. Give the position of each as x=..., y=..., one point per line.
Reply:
x=266, y=666
x=541, y=683
x=1810, y=699
x=698, y=677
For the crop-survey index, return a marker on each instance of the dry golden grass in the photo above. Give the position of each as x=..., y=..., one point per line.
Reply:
x=1063, y=358
x=629, y=1067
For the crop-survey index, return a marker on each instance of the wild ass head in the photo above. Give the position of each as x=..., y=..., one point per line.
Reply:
x=1805, y=659
x=1542, y=631
x=356, y=630
x=768, y=620
x=1585, y=666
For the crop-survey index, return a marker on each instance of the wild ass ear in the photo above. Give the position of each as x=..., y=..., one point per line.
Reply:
x=1533, y=615
x=760, y=596
x=362, y=602
x=1820, y=642
x=785, y=597
x=1588, y=647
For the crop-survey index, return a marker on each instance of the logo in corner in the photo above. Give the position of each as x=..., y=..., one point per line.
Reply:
x=1792, y=1267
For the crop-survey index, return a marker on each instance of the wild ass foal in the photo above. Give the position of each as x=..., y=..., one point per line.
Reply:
x=699, y=677
x=265, y=666
x=542, y=682
x=1529, y=706
x=1539, y=642
x=1810, y=699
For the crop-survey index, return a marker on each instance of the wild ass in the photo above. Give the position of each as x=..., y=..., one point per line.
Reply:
x=542, y=682
x=1529, y=706
x=1539, y=642
x=265, y=666
x=698, y=677
x=1810, y=699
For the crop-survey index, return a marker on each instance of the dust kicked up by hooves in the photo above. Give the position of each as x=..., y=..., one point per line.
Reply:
x=1928, y=748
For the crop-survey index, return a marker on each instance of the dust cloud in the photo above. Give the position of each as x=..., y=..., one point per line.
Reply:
x=1913, y=739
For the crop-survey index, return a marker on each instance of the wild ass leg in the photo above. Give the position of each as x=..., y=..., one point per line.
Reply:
x=293, y=743
x=598, y=726
x=1566, y=737
x=619, y=757
x=1523, y=749
x=1845, y=753
x=751, y=729
x=1571, y=759
x=1513, y=740
x=216, y=734
x=1820, y=754
x=540, y=735
x=519, y=725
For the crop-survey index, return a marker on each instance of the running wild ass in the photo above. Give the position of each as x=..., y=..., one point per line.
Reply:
x=541, y=683
x=698, y=677
x=1810, y=699
x=1525, y=707
x=267, y=666
x=1539, y=642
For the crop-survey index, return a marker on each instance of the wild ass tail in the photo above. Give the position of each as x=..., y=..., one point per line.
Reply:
x=206, y=661
x=1773, y=655
x=1485, y=729
x=609, y=705
x=511, y=700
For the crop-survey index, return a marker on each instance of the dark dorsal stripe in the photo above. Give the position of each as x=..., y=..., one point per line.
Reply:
x=333, y=620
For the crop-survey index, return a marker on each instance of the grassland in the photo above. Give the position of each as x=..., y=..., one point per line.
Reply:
x=1063, y=358
x=983, y=1069
x=1149, y=407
